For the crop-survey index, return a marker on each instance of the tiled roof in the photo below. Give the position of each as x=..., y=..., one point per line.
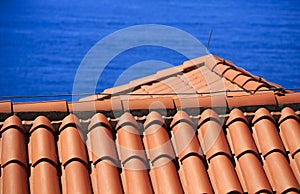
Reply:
x=203, y=76
x=239, y=142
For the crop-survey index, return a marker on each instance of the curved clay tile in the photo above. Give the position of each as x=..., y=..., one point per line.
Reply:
x=41, y=121
x=108, y=178
x=239, y=132
x=157, y=139
x=135, y=179
x=211, y=136
x=211, y=66
x=13, y=142
x=232, y=74
x=77, y=178
x=133, y=157
x=266, y=132
x=99, y=119
x=163, y=173
x=12, y=122
x=223, y=176
x=290, y=129
x=128, y=139
x=71, y=119
x=193, y=176
x=236, y=115
x=42, y=141
x=165, y=178
x=296, y=165
x=104, y=155
x=242, y=79
x=193, y=173
x=280, y=173
x=185, y=140
x=221, y=68
x=126, y=119
x=45, y=179
x=14, y=179
x=244, y=71
x=71, y=141
x=253, y=174
x=158, y=87
x=208, y=114
x=262, y=113
x=253, y=85
x=101, y=139
x=152, y=118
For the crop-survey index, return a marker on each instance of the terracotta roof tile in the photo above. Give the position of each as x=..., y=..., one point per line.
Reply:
x=197, y=75
x=5, y=110
x=289, y=129
x=13, y=142
x=156, y=140
x=165, y=179
x=211, y=136
x=14, y=179
x=239, y=134
x=184, y=137
x=30, y=110
x=261, y=99
x=107, y=178
x=105, y=105
x=207, y=143
x=253, y=174
x=190, y=155
x=71, y=141
x=13, y=157
x=295, y=165
x=5, y=107
x=47, y=185
x=42, y=143
x=142, y=81
x=53, y=106
x=149, y=104
x=280, y=174
x=193, y=176
x=76, y=178
x=253, y=85
x=227, y=181
x=289, y=98
x=135, y=177
x=232, y=74
x=190, y=64
x=200, y=101
x=131, y=151
x=242, y=79
x=221, y=69
x=100, y=140
x=266, y=132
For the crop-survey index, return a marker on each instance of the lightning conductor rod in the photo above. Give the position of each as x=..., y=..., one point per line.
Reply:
x=208, y=41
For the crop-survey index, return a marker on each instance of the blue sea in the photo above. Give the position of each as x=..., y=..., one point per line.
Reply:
x=43, y=42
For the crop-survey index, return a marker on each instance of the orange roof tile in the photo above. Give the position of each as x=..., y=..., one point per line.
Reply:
x=172, y=140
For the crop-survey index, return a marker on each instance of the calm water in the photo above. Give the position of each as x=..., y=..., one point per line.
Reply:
x=43, y=42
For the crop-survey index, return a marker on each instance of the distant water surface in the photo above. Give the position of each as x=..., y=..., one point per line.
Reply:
x=43, y=42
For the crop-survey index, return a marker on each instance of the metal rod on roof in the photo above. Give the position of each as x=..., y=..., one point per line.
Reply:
x=147, y=94
x=208, y=41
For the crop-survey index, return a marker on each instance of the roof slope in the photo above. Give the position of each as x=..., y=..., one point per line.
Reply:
x=245, y=141
x=204, y=76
